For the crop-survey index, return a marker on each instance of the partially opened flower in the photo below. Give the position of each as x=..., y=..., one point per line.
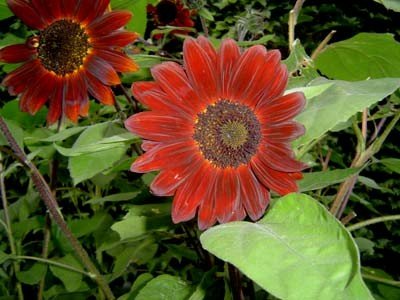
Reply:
x=219, y=131
x=78, y=50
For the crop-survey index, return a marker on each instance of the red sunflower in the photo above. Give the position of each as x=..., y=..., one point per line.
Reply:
x=219, y=131
x=77, y=51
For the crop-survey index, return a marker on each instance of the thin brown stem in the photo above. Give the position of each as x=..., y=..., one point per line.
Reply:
x=8, y=227
x=52, y=206
x=322, y=45
x=130, y=98
x=204, y=26
x=348, y=218
x=293, y=14
x=361, y=157
x=236, y=282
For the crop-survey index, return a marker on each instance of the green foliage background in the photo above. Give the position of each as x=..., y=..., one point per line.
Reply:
x=128, y=231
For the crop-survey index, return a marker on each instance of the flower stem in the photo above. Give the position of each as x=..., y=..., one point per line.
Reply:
x=8, y=228
x=51, y=204
x=54, y=263
x=361, y=157
x=236, y=282
x=293, y=14
x=373, y=221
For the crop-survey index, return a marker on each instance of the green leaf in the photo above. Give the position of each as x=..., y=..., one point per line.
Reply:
x=33, y=275
x=366, y=55
x=339, y=102
x=297, y=58
x=115, y=198
x=146, y=60
x=137, y=253
x=165, y=287
x=11, y=111
x=390, y=4
x=97, y=149
x=138, y=9
x=63, y=135
x=142, y=219
x=262, y=40
x=319, y=180
x=393, y=164
x=71, y=280
x=5, y=12
x=206, y=14
x=139, y=283
x=297, y=251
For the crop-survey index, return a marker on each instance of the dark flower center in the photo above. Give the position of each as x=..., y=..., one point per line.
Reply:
x=166, y=11
x=227, y=133
x=63, y=46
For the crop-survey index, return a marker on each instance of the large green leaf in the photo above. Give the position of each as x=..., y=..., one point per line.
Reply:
x=138, y=9
x=298, y=251
x=165, y=287
x=97, y=149
x=390, y=4
x=366, y=55
x=72, y=280
x=339, y=102
x=393, y=164
x=5, y=12
x=142, y=219
x=319, y=180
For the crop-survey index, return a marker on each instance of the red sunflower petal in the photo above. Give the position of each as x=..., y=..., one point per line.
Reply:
x=207, y=215
x=159, y=126
x=189, y=195
x=277, y=85
x=247, y=70
x=228, y=55
x=41, y=93
x=200, y=70
x=227, y=199
x=69, y=7
x=283, y=132
x=54, y=8
x=254, y=196
x=16, y=53
x=55, y=102
x=28, y=97
x=87, y=12
x=118, y=60
x=114, y=39
x=19, y=79
x=149, y=94
x=99, y=91
x=171, y=155
x=148, y=145
x=75, y=95
x=280, y=182
x=41, y=6
x=262, y=80
x=279, y=156
x=25, y=11
x=208, y=48
x=171, y=78
x=109, y=22
x=238, y=215
x=282, y=109
x=102, y=70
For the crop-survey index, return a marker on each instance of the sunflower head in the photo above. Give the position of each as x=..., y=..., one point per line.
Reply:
x=219, y=131
x=77, y=51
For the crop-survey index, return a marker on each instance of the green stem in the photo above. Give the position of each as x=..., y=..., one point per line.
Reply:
x=382, y=280
x=54, y=263
x=359, y=160
x=51, y=204
x=7, y=225
x=372, y=221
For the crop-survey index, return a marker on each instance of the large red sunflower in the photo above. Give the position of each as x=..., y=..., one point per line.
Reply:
x=77, y=51
x=219, y=131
